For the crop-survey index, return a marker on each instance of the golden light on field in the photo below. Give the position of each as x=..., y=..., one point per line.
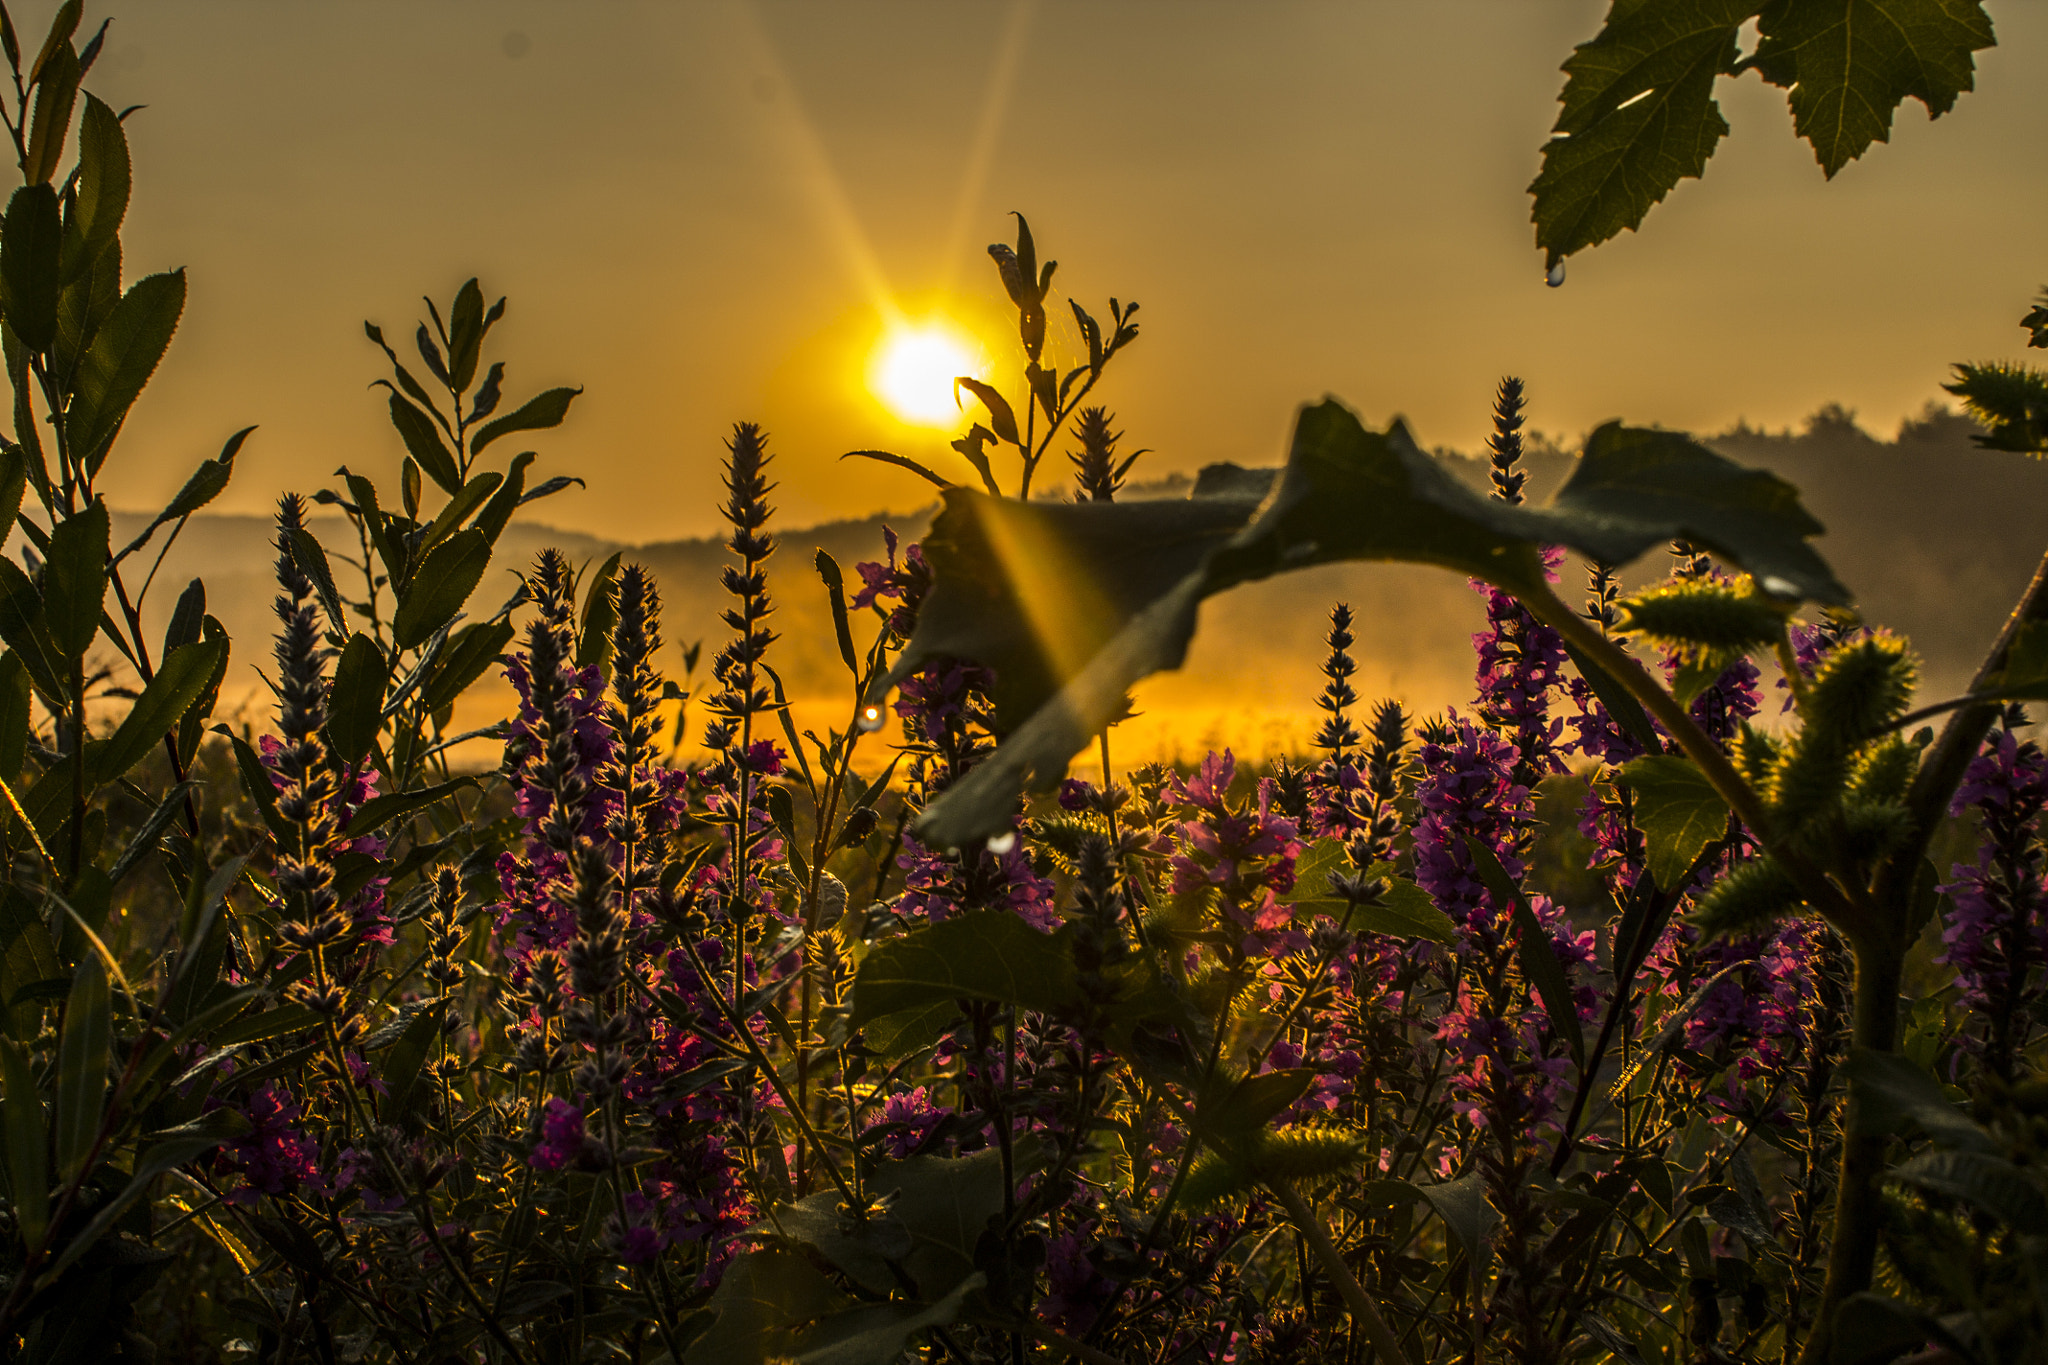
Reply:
x=914, y=368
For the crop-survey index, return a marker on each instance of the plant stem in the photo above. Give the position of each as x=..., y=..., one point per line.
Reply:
x=1385, y=1344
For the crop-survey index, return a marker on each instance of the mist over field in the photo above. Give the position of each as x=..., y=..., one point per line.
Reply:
x=1930, y=531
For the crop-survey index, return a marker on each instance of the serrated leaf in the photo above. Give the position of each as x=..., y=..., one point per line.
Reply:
x=470, y=653
x=1071, y=604
x=535, y=414
x=31, y=241
x=1891, y=1092
x=423, y=442
x=1637, y=116
x=1678, y=812
x=984, y=955
x=179, y=682
x=75, y=581
x=1849, y=64
x=124, y=353
x=440, y=586
x=104, y=172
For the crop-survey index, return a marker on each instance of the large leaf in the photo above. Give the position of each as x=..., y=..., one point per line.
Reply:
x=1678, y=811
x=1071, y=604
x=123, y=355
x=183, y=678
x=945, y=1204
x=443, y=582
x=355, y=701
x=424, y=443
x=762, y=1298
x=535, y=414
x=989, y=955
x=31, y=238
x=82, y=1065
x=104, y=172
x=1848, y=64
x=1637, y=115
x=28, y=1173
x=75, y=581
x=1892, y=1093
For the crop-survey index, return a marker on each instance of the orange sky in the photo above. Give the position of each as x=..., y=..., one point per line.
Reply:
x=700, y=209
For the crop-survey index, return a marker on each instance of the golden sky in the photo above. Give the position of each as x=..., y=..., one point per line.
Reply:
x=703, y=211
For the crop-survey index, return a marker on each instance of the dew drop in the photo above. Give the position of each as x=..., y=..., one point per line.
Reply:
x=870, y=718
x=999, y=844
x=1555, y=275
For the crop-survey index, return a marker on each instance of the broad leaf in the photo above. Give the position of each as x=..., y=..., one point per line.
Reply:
x=123, y=355
x=1638, y=115
x=31, y=238
x=423, y=442
x=986, y=955
x=1678, y=812
x=1849, y=64
x=1462, y=1204
x=1072, y=604
x=355, y=700
x=75, y=581
x=82, y=1066
x=944, y=1205
x=179, y=682
x=443, y=582
x=469, y=655
x=1892, y=1093
x=104, y=172
x=536, y=414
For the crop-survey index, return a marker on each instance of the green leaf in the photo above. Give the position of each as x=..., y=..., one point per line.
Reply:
x=497, y=514
x=465, y=335
x=990, y=955
x=404, y=1063
x=204, y=485
x=1462, y=1204
x=180, y=681
x=166, y=1152
x=468, y=656
x=21, y=626
x=28, y=955
x=15, y=719
x=311, y=558
x=75, y=581
x=279, y=1022
x=2009, y=401
x=2024, y=675
x=1678, y=811
x=442, y=583
x=379, y=811
x=879, y=1333
x=27, y=1171
x=355, y=700
x=1848, y=64
x=123, y=355
x=193, y=726
x=1991, y=1183
x=57, y=77
x=423, y=440
x=1621, y=704
x=1406, y=911
x=1236, y=1113
x=536, y=414
x=600, y=615
x=104, y=172
x=835, y=593
x=1637, y=115
x=460, y=507
x=1071, y=604
x=1891, y=1093
x=13, y=483
x=82, y=1066
x=31, y=242
x=945, y=1204
x=761, y=1299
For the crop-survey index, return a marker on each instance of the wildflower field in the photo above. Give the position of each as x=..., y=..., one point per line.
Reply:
x=1677, y=996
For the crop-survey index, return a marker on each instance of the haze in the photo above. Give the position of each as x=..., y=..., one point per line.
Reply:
x=703, y=212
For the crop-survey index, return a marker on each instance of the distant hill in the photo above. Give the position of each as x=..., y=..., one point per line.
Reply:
x=1934, y=534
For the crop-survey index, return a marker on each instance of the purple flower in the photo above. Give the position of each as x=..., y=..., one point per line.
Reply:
x=561, y=1136
x=1247, y=852
x=1997, y=932
x=1468, y=788
x=275, y=1156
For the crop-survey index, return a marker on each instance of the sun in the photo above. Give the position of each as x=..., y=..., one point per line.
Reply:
x=913, y=372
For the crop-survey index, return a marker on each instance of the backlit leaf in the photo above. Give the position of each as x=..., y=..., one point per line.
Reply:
x=178, y=683
x=31, y=238
x=123, y=355
x=982, y=956
x=442, y=583
x=1849, y=64
x=355, y=700
x=535, y=414
x=82, y=1065
x=1678, y=812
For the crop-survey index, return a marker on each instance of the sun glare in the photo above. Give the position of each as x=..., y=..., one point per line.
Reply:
x=914, y=369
